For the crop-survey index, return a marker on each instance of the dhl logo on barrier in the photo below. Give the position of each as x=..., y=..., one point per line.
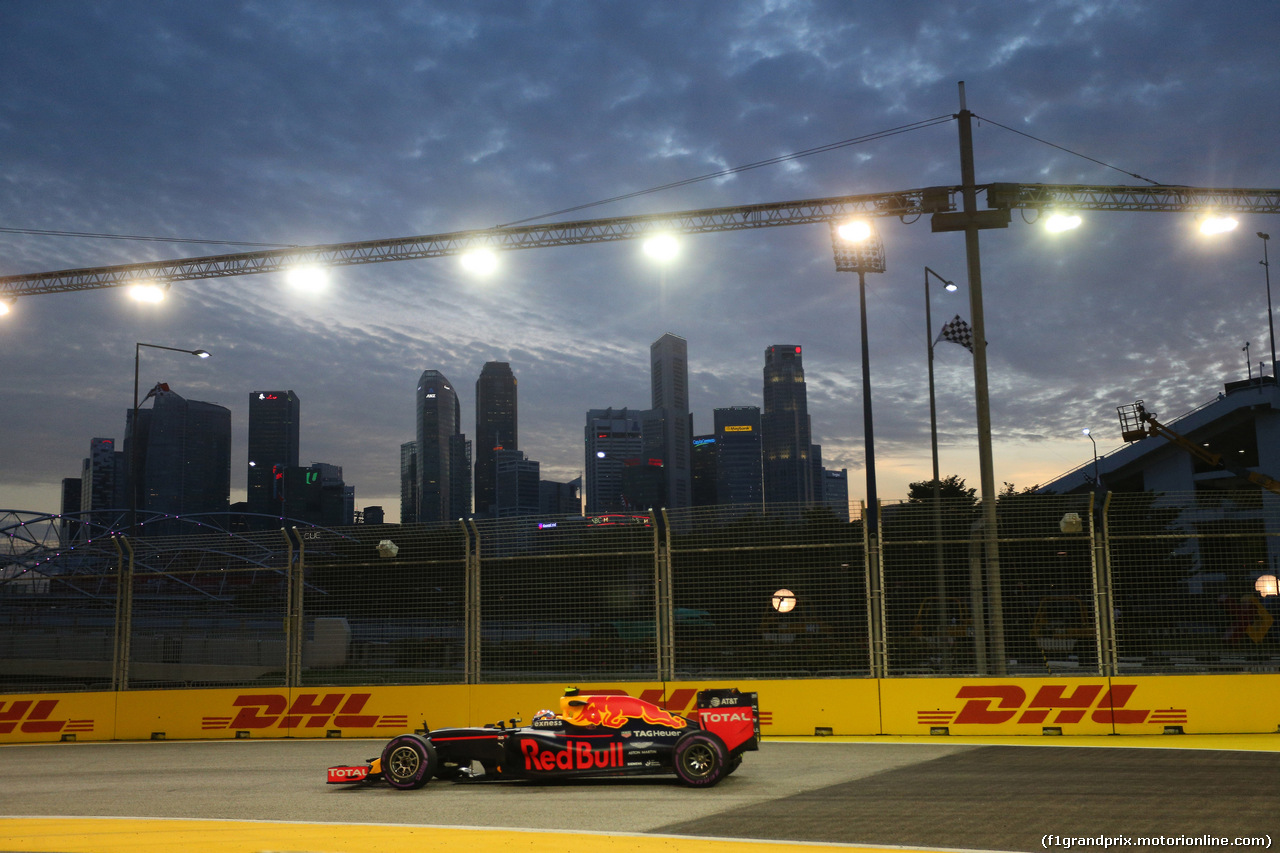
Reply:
x=32, y=717
x=682, y=701
x=1001, y=703
x=308, y=710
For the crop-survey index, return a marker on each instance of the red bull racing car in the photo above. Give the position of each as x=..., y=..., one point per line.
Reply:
x=594, y=734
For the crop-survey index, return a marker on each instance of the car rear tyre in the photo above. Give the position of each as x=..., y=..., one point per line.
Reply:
x=408, y=762
x=701, y=759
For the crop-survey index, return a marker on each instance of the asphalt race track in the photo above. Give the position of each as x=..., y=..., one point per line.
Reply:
x=935, y=794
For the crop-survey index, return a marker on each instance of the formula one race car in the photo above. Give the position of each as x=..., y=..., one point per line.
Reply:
x=594, y=734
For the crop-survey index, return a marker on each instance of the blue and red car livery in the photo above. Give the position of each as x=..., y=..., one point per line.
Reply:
x=594, y=734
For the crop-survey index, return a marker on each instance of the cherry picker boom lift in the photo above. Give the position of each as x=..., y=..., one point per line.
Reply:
x=1137, y=423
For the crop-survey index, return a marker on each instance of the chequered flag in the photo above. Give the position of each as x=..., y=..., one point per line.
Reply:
x=958, y=332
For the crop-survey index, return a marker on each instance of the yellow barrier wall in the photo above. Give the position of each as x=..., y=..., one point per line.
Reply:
x=1199, y=704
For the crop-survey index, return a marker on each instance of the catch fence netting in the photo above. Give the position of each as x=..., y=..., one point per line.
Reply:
x=1057, y=585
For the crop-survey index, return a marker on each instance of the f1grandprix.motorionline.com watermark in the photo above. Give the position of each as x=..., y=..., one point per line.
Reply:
x=1066, y=842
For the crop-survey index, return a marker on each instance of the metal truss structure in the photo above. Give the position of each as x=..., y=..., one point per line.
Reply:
x=905, y=204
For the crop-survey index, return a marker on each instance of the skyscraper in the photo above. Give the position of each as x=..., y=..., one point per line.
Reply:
x=738, y=465
x=439, y=420
x=274, y=425
x=611, y=438
x=103, y=482
x=496, y=428
x=784, y=428
x=409, y=491
x=669, y=358
x=183, y=455
x=517, y=490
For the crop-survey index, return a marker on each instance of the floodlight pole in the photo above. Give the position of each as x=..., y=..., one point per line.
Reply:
x=972, y=224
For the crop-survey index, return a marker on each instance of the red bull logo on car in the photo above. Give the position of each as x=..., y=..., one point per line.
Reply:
x=614, y=712
x=574, y=756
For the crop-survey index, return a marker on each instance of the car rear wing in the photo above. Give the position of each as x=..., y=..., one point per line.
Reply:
x=732, y=715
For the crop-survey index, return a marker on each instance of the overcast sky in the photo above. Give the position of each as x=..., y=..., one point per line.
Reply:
x=314, y=122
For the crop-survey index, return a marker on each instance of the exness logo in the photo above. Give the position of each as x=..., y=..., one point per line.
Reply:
x=34, y=716
x=307, y=711
x=1052, y=704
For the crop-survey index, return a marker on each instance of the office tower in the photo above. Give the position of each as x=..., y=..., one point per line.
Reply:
x=784, y=427
x=459, y=477
x=835, y=492
x=611, y=438
x=103, y=482
x=274, y=418
x=317, y=495
x=517, y=485
x=439, y=420
x=374, y=515
x=496, y=427
x=739, y=477
x=409, y=482
x=69, y=528
x=670, y=440
x=560, y=498
x=183, y=456
x=703, y=491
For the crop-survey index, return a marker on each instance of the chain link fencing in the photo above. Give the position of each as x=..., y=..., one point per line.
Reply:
x=1058, y=585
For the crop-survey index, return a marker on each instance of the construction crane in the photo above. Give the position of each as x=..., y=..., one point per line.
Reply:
x=938, y=202
x=1137, y=423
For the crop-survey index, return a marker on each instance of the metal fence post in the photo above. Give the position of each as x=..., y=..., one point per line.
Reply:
x=663, y=616
x=120, y=651
x=872, y=558
x=1104, y=602
x=471, y=605
x=293, y=616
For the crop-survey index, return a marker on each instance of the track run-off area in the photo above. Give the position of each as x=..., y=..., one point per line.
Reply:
x=937, y=793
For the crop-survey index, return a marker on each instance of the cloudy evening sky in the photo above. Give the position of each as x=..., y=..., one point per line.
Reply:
x=298, y=123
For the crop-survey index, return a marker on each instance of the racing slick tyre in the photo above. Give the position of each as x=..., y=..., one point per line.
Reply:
x=701, y=759
x=408, y=762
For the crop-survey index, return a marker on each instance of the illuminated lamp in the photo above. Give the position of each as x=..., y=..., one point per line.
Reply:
x=1214, y=223
x=479, y=261
x=310, y=278
x=854, y=232
x=1267, y=585
x=784, y=601
x=661, y=247
x=148, y=291
x=1059, y=222
x=5, y=307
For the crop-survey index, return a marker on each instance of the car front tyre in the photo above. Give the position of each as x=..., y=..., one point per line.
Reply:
x=701, y=759
x=408, y=762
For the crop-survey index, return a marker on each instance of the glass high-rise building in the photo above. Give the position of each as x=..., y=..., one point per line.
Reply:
x=611, y=438
x=738, y=457
x=409, y=492
x=784, y=428
x=439, y=420
x=496, y=428
x=672, y=440
x=183, y=456
x=274, y=428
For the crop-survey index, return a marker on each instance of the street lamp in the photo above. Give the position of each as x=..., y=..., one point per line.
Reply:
x=133, y=426
x=937, y=483
x=1097, y=483
x=858, y=248
x=933, y=411
x=1271, y=326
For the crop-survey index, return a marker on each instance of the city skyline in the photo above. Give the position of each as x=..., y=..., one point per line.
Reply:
x=239, y=125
